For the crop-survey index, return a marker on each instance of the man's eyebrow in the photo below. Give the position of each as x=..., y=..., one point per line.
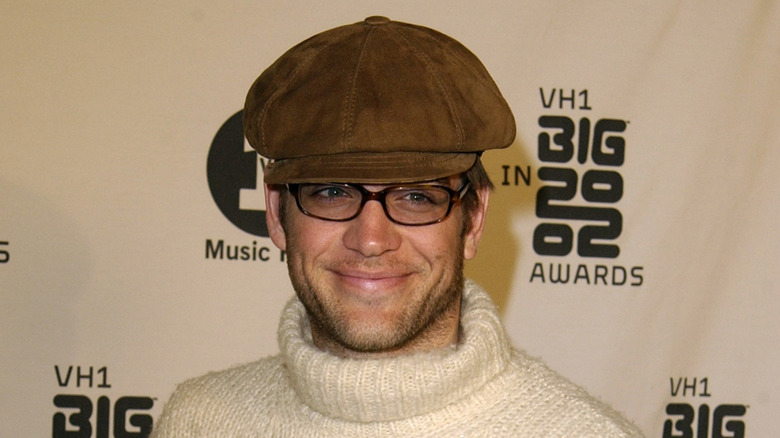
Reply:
x=440, y=181
x=445, y=180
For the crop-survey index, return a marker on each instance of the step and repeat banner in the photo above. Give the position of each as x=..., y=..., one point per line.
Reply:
x=632, y=239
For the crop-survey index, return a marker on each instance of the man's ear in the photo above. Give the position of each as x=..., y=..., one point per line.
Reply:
x=477, y=224
x=273, y=206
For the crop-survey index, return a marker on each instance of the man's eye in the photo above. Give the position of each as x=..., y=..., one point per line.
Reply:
x=418, y=197
x=423, y=196
x=329, y=192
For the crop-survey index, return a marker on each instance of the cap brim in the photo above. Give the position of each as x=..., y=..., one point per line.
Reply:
x=379, y=168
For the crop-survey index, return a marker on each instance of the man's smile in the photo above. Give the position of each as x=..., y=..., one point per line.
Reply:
x=371, y=280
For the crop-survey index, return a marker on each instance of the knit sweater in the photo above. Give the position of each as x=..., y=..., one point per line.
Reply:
x=480, y=388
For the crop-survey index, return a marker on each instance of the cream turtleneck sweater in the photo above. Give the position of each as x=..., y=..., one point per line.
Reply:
x=480, y=388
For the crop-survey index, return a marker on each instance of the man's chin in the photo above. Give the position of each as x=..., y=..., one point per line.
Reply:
x=369, y=333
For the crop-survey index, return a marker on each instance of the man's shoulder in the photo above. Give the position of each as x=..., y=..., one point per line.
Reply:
x=222, y=398
x=262, y=369
x=246, y=383
x=567, y=409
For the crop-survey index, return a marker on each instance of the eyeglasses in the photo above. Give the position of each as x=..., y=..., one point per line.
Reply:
x=419, y=204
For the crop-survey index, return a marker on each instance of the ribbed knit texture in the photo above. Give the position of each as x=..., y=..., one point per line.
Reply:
x=481, y=388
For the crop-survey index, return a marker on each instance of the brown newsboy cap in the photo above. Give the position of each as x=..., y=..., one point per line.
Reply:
x=377, y=101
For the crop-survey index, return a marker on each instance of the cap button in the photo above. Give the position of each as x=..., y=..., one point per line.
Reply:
x=376, y=20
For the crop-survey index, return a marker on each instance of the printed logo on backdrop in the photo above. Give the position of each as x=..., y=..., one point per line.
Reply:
x=235, y=176
x=696, y=413
x=5, y=252
x=88, y=411
x=580, y=189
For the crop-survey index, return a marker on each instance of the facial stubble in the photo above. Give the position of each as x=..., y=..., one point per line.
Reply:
x=425, y=315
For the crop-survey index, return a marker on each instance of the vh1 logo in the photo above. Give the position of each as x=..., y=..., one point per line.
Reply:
x=79, y=417
x=686, y=421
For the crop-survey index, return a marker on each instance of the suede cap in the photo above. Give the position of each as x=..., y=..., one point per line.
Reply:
x=377, y=101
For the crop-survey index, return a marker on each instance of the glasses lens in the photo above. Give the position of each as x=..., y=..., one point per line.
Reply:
x=330, y=201
x=417, y=205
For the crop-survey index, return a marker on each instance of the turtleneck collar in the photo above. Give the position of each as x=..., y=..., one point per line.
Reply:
x=369, y=390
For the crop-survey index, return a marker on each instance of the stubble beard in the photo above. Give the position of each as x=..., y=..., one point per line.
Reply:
x=421, y=318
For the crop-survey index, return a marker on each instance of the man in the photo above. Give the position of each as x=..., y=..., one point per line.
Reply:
x=377, y=194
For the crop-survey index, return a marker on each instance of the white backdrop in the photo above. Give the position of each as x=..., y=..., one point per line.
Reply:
x=116, y=272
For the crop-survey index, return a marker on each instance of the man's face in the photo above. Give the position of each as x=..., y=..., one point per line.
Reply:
x=372, y=286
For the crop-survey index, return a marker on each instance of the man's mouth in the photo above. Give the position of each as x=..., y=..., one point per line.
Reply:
x=373, y=281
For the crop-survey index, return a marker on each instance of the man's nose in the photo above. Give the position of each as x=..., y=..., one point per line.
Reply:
x=372, y=233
